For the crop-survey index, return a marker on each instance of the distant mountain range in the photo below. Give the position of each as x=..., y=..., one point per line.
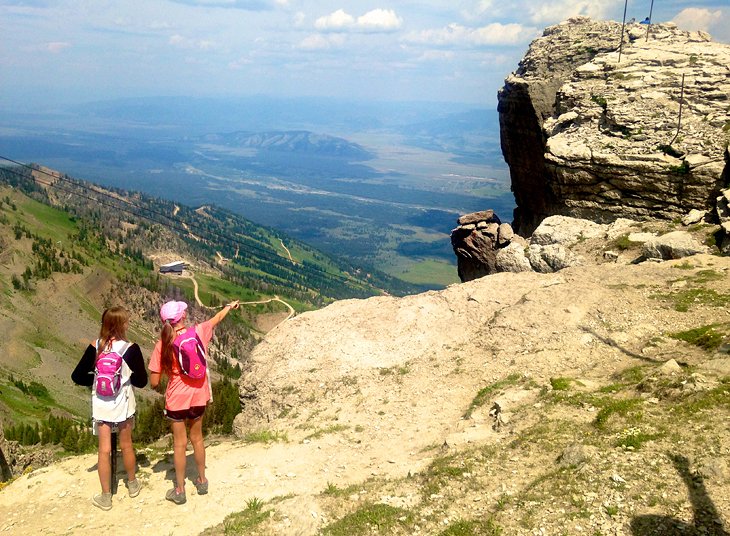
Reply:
x=296, y=141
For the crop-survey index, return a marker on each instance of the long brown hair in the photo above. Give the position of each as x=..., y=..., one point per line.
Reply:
x=167, y=351
x=113, y=326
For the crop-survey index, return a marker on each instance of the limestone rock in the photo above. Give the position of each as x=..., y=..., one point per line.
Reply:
x=674, y=245
x=589, y=136
x=566, y=231
x=512, y=259
x=550, y=258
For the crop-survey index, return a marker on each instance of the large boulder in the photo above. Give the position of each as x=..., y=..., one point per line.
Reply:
x=674, y=245
x=595, y=133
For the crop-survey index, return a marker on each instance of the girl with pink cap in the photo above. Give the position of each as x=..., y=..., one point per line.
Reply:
x=185, y=397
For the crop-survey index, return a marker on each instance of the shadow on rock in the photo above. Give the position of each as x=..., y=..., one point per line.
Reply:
x=706, y=520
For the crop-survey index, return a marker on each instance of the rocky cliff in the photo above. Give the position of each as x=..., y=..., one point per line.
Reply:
x=597, y=131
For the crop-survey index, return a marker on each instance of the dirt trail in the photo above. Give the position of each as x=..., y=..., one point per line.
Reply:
x=57, y=499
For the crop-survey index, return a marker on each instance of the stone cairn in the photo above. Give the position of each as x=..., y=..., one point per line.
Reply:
x=477, y=240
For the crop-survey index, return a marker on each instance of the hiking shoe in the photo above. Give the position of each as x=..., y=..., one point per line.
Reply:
x=103, y=501
x=202, y=487
x=174, y=496
x=134, y=486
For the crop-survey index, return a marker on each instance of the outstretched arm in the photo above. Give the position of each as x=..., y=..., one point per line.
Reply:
x=220, y=315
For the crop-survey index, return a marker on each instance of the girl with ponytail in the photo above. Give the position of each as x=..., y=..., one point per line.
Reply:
x=185, y=397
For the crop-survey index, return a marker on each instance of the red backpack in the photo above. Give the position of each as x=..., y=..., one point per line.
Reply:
x=190, y=354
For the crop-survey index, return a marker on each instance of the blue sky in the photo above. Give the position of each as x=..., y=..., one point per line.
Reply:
x=66, y=51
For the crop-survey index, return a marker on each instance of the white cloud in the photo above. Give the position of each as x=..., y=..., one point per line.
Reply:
x=694, y=18
x=179, y=41
x=339, y=20
x=380, y=20
x=459, y=36
x=543, y=13
x=320, y=42
x=376, y=20
x=56, y=47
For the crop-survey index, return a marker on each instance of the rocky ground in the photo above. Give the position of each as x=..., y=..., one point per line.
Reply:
x=577, y=402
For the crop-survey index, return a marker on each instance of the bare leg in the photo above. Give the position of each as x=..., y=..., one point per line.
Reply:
x=179, y=443
x=196, y=438
x=104, y=464
x=125, y=442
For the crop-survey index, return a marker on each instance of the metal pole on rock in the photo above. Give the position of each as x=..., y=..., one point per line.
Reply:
x=651, y=9
x=623, y=25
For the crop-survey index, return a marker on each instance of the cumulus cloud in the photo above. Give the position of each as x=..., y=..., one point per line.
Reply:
x=456, y=35
x=380, y=20
x=376, y=20
x=56, y=47
x=339, y=20
x=543, y=13
x=695, y=18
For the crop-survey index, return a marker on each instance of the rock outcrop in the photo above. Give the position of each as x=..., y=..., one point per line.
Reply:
x=595, y=132
x=485, y=247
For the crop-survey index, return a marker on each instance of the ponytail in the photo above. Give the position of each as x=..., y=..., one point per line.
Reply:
x=167, y=352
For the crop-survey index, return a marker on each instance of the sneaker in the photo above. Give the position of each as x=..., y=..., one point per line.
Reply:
x=103, y=501
x=134, y=486
x=174, y=496
x=202, y=487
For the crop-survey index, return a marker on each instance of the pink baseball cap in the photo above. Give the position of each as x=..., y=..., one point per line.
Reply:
x=173, y=311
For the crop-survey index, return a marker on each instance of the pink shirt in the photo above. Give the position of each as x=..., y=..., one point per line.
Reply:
x=183, y=392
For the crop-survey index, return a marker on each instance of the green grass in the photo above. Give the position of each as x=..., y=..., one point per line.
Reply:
x=484, y=395
x=45, y=221
x=328, y=430
x=370, y=519
x=265, y=436
x=621, y=407
x=718, y=397
x=560, y=384
x=441, y=471
x=243, y=522
x=634, y=438
x=683, y=300
x=622, y=243
x=472, y=527
x=706, y=337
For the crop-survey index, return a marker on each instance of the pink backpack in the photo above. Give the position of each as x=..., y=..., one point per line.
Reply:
x=108, y=372
x=190, y=354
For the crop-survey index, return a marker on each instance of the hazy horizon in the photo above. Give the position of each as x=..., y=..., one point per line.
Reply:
x=62, y=52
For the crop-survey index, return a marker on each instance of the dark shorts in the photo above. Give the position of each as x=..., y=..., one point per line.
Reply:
x=192, y=414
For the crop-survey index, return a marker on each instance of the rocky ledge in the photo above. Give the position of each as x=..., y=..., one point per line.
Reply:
x=597, y=131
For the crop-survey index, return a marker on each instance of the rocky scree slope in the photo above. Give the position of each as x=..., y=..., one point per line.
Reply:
x=593, y=132
x=533, y=403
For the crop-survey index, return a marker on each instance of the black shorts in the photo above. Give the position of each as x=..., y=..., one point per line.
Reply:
x=191, y=414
